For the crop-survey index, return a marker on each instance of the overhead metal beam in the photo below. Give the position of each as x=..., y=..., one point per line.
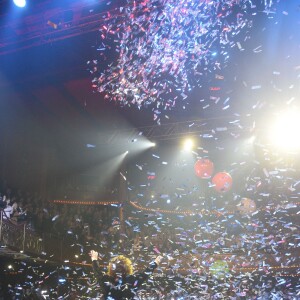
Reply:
x=200, y=127
x=47, y=24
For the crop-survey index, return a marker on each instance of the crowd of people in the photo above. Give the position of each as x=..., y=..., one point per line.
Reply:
x=256, y=244
x=271, y=231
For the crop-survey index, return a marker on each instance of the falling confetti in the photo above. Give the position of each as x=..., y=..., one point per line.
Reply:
x=164, y=49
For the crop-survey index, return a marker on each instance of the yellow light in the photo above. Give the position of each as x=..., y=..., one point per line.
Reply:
x=188, y=144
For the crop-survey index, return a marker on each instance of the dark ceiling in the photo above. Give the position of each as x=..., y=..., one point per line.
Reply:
x=48, y=84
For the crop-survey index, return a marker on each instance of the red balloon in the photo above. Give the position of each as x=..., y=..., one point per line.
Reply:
x=222, y=182
x=204, y=168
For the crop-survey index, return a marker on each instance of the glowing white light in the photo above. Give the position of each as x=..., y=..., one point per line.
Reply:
x=153, y=144
x=285, y=131
x=126, y=152
x=188, y=145
x=20, y=3
x=251, y=140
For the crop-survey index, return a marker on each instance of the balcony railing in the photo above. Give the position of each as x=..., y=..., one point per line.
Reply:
x=19, y=236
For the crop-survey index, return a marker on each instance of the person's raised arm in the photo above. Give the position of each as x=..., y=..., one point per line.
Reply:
x=94, y=257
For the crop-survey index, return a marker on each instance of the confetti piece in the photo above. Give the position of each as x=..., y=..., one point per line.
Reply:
x=52, y=24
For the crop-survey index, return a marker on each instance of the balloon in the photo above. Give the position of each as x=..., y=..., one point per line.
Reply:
x=219, y=268
x=204, y=168
x=247, y=206
x=222, y=182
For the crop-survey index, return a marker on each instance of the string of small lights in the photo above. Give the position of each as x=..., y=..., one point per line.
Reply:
x=188, y=212
x=154, y=210
x=80, y=202
x=177, y=212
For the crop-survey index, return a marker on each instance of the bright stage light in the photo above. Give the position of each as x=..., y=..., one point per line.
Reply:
x=153, y=144
x=20, y=3
x=188, y=145
x=285, y=132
